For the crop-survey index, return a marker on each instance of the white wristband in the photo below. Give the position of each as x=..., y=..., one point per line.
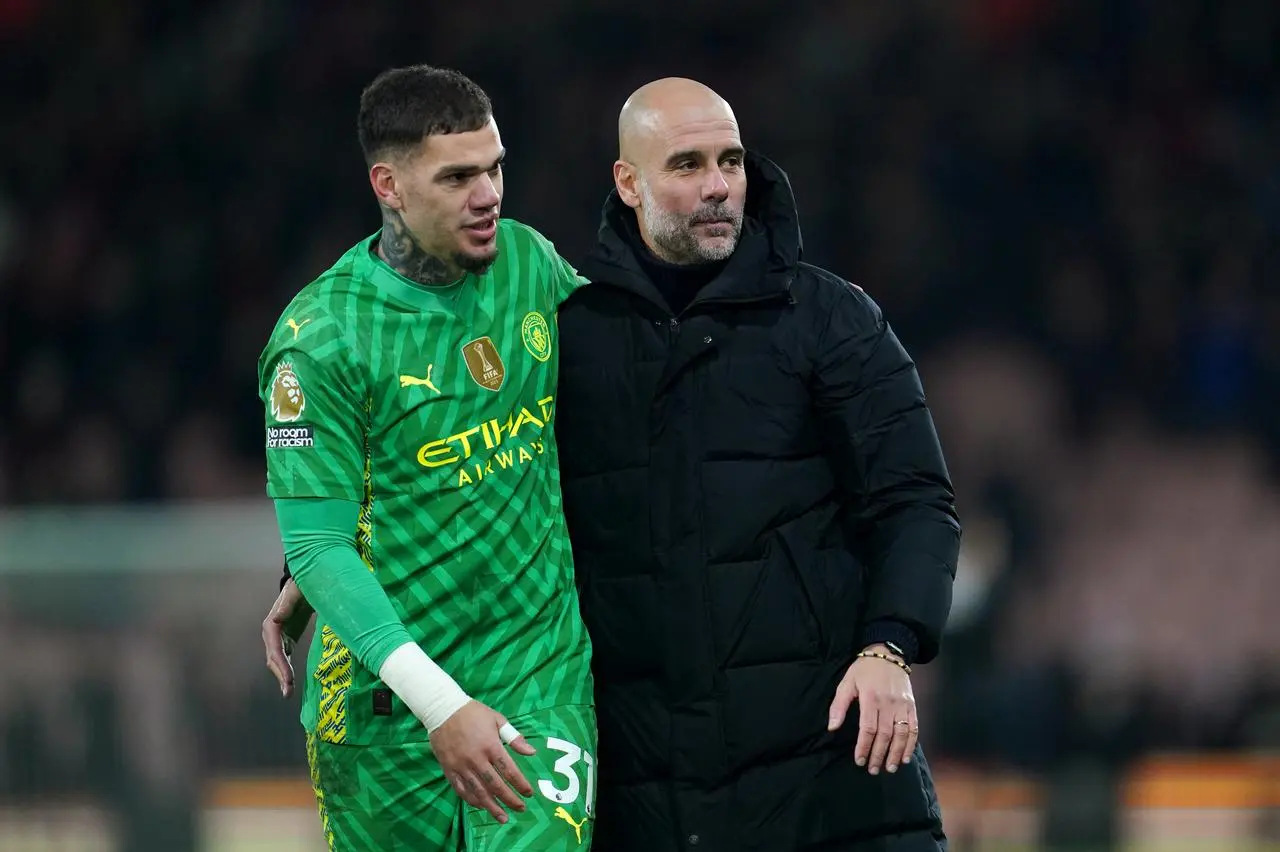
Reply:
x=425, y=688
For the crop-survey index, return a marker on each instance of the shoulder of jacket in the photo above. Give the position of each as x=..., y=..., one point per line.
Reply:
x=827, y=292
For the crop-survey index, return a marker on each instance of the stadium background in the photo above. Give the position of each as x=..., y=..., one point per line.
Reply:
x=1070, y=211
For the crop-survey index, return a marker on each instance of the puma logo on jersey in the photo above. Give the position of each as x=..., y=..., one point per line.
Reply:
x=296, y=326
x=414, y=381
x=561, y=813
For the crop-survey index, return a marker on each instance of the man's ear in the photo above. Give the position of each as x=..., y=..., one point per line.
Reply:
x=386, y=186
x=624, y=178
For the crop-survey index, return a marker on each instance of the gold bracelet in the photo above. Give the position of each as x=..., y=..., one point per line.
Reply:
x=906, y=668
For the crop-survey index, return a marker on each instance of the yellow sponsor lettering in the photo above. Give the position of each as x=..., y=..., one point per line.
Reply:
x=427, y=454
x=491, y=434
x=463, y=437
x=525, y=417
x=497, y=430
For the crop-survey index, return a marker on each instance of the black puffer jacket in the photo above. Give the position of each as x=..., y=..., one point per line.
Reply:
x=747, y=486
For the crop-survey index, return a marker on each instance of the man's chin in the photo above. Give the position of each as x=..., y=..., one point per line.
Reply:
x=716, y=248
x=477, y=263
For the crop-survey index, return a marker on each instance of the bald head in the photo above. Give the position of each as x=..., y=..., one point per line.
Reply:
x=655, y=109
x=681, y=167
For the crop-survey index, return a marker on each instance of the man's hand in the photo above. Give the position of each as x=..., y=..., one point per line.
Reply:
x=476, y=762
x=283, y=627
x=887, y=724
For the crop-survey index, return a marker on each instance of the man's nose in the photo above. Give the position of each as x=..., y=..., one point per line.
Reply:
x=715, y=187
x=485, y=194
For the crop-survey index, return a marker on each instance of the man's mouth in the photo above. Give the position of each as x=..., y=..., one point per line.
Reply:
x=483, y=229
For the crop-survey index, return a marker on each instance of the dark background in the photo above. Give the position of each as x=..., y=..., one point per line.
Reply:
x=1070, y=211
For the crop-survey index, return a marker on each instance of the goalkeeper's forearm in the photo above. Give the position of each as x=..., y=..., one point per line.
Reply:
x=319, y=546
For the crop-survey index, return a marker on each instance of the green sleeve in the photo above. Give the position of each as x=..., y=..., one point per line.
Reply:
x=562, y=280
x=567, y=278
x=319, y=539
x=316, y=416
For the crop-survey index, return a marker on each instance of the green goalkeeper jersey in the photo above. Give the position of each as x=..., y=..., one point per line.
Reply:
x=432, y=407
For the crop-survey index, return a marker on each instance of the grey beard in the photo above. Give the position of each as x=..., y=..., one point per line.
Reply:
x=681, y=247
x=674, y=236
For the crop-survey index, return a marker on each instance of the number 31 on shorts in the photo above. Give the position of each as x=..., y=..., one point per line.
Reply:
x=567, y=785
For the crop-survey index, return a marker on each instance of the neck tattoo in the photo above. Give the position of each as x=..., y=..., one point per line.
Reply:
x=398, y=247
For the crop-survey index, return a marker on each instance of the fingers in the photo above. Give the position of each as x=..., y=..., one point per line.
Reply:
x=512, y=737
x=490, y=787
x=474, y=792
x=897, y=744
x=283, y=674
x=887, y=731
x=513, y=776
x=883, y=736
x=846, y=692
x=277, y=661
x=497, y=786
x=868, y=727
x=913, y=733
x=889, y=725
x=284, y=624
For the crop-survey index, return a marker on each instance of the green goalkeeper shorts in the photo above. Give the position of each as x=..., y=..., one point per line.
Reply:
x=385, y=798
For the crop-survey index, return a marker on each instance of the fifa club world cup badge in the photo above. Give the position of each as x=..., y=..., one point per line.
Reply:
x=483, y=363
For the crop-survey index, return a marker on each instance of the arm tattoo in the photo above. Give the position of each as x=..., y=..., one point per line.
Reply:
x=402, y=253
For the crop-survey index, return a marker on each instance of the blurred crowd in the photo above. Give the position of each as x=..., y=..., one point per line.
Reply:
x=1070, y=211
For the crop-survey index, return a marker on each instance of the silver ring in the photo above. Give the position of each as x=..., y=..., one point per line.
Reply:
x=902, y=722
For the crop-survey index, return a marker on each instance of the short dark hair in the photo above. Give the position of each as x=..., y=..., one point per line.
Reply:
x=403, y=106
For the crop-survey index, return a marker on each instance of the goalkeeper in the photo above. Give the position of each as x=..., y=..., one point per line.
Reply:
x=409, y=395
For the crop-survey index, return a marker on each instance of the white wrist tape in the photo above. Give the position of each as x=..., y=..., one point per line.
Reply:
x=425, y=688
